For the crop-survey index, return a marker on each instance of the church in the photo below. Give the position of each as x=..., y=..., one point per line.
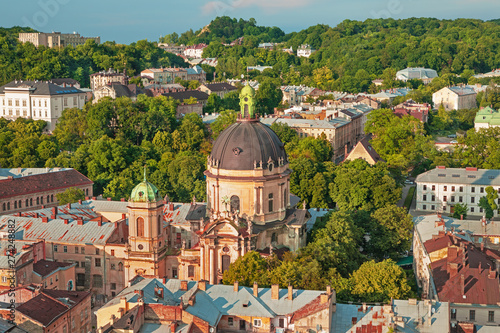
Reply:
x=248, y=207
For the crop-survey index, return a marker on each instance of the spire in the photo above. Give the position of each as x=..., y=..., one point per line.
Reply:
x=144, y=172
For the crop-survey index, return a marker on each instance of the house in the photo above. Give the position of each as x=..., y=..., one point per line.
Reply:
x=486, y=118
x=493, y=73
x=365, y=151
x=38, y=100
x=54, y=275
x=181, y=96
x=305, y=50
x=220, y=88
x=115, y=90
x=23, y=189
x=179, y=305
x=55, y=39
x=441, y=188
x=452, y=266
x=455, y=98
x=103, y=78
x=258, y=68
x=67, y=82
x=266, y=46
x=418, y=111
x=194, y=51
x=420, y=73
x=56, y=311
x=196, y=73
x=172, y=48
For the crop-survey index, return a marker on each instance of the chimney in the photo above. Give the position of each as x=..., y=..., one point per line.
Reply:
x=124, y=216
x=479, y=267
x=462, y=284
x=275, y=292
x=80, y=201
x=54, y=211
x=80, y=221
x=109, y=199
x=255, y=289
x=461, y=217
x=364, y=307
x=329, y=290
x=202, y=285
x=173, y=326
x=236, y=286
x=482, y=246
x=323, y=298
x=124, y=304
x=452, y=253
x=69, y=205
x=184, y=285
x=290, y=293
x=45, y=219
x=99, y=223
x=122, y=199
x=93, y=198
x=452, y=269
x=66, y=221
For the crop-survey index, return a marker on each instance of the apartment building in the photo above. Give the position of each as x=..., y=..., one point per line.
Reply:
x=55, y=39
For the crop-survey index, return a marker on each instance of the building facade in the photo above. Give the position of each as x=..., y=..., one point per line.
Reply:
x=419, y=73
x=55, y=39
x=455, y=98
x=103, y=78
x=486, y=118
x=38, y=100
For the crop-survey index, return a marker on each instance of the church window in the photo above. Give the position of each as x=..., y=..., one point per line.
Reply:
x=140, y=227
x=160, y=229
x=226, y=261
x=285, y=199
x=270, y=202
x=120, y=266
x=235, y=203
x=274, y=238
x=191, y=271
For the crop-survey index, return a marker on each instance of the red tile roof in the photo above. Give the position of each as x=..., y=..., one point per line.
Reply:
x=310, y=308
x=42, y=182
x=46, y=267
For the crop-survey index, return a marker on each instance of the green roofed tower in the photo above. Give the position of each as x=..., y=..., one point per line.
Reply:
x=247, y=102
x=145, y=192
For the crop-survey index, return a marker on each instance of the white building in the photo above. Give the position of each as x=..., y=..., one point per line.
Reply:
x=194, y=51
x=305, y=50
x=455, y=98
x=424, y=74
x=440, y=189
x=38, y=100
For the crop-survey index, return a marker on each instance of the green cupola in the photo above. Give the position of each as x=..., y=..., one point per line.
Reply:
x=145, y=192
x=247, y=102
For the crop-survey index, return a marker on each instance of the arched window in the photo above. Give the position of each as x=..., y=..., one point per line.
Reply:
x=41, y=200
x=140, y=227
x=274, y=238
x=120, y=266
x=160, y=229
x=235, y=203
x=20, y=204
x=270, y=202
x=51, y=198
x=3, y=206
x=31, y=201
x=48, y=198
x=285, y=199
x=15, y=204
x=8, y=205
x=27, y=203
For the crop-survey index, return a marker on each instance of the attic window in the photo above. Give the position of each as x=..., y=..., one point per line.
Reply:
x=245, y=304
x=471, y=176
x=491, y=177
x=455, y=176
x=442, y=175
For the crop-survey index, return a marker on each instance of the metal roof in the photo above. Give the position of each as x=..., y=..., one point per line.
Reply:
x=467, y=176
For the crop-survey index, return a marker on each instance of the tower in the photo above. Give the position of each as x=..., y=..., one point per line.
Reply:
x=247, y=102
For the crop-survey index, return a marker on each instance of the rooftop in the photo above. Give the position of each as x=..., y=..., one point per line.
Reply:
x=38, y=88
x=466, y=176
x=45, y=267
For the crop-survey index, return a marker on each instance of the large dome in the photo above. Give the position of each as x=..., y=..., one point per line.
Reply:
x=245, y=144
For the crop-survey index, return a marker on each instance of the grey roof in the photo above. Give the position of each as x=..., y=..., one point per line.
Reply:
x=416, y=73
x=40, y=88
x=62, y=81
x=23, y=172
x=196, y=212
x=6, y=327
x=411, y=314
x=307, y=123
x=484, y=177
x=182, y=95
x=108, y=206
x=221, y=86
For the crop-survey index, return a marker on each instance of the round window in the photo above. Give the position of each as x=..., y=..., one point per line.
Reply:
x=140, y=246
x=246, y=99
x=225, y=249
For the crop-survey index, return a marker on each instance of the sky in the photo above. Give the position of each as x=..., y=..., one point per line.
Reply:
x=129, y=21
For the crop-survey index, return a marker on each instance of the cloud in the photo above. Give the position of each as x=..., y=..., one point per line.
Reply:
x=221, y=7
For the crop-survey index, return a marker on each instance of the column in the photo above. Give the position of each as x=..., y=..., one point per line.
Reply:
x=217, y=197
x=211, y=268
x=256, y=201
x=261, y=200
x=280, y=196
x=202, y=261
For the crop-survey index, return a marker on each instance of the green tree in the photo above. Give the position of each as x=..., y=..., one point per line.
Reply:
x=284, y=132
x=224, y=120
x=248, y=269
x=70, y=195
x=488, y=202
x=268, y=96
x=460, y=211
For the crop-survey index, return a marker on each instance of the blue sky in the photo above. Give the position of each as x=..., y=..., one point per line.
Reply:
x=125, y=22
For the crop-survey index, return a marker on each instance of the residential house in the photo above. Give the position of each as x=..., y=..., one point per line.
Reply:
x=486, y=118
x=220, y=88
x=115, y=90
x=258, y=68
x=103, y=78
x=56, y=311
x=55, y=39
x=38, y=100
x=196, y=73
x=455, y=98
x=418, y=111
x=305, y=50
x=364, y=151
x=172, y=48
x=25, y=189
x=176, y=305
x=266, y=46
x=493, y=73
x=54, y=274
x=420, y=73
x=440, y=189
x=194, y=51
x=66, y=82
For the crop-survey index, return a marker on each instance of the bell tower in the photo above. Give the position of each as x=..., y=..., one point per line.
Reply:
x=247, y=102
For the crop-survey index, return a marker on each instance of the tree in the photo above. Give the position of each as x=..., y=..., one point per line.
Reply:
x=247, y=269
x=268, y=96
x=224, y=120
x=284, y=132
x=392, y=233
x=488, y=202
x=70, y=195
x=460, y=211
x=379, y=282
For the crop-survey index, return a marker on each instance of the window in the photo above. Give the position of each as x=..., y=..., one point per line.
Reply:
x=425, y=187
x=97, y=281
x=51, y=198
x=473, y=189
x=120, y=266
x=83, y=250
x=73, y=322
x=15, y=204
x=453, y=314
x=481, y=190
x=27, y=203
x=31, y=201
x=445, y=198
x=491, y=316
x=472, y=199
x=57, y=278
x=480, y=209
x=190, y=271
x=444, y=208
x=281, y=323
x=113, y=286
x=270, y=202
x=65, y=330
x=97, y=252
x=433, y=198
x=17, y=102
x=445, y=188
x=55, y=248
x=433, y=207
x=472, y=209
x=4, y=279
x=45, y=103
x=461, y=189
x=65, y=249
x=472, y=315
x=433, y=187
x=140, y=227
x=113, y=267
x=452, y=199
x=65, y=101
x=24, y=102
x=112, y=252
x=453, y=188
x=424, y=207
x=424, y=198
x=97, y=262
x=51, y=281
x=76, y=249
x=460, y=199
x=235, y=203
x=230, y=321
x=257, y=322
x=9, y=102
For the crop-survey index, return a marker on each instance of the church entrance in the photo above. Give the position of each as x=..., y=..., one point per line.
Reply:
x=226, y=261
